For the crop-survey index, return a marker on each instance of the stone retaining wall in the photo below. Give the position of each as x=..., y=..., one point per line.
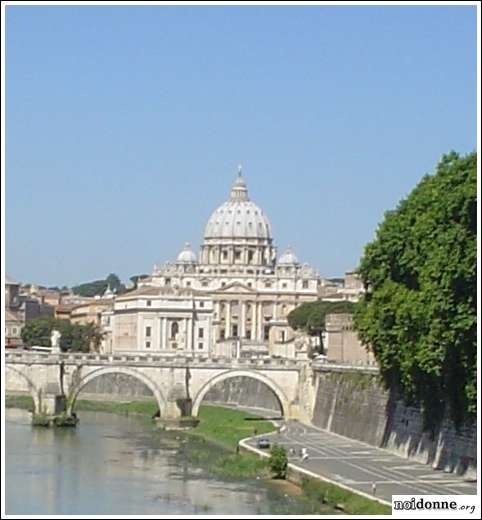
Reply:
x=356, y=405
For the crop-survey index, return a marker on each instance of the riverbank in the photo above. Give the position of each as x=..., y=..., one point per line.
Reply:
x=213, y=446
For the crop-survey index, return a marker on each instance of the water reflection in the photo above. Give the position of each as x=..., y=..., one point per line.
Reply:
x=116, y=465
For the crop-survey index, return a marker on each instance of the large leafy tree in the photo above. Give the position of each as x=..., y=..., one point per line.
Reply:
x=98, y=287
x=419, y=312
x=74, y=337
x=310, y=316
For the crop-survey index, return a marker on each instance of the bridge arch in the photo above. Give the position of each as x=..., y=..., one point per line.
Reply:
x=98, y=372
x=32, y=388
x=228, y=374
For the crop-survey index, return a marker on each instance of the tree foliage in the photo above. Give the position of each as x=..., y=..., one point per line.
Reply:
x=136, y=278
x=98, y=287
x=310, y=316
x=75, y=337
x=419, y=314
x=278, y=461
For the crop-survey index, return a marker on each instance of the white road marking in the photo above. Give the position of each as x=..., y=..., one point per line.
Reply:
x=376, y=472
x=330, y=449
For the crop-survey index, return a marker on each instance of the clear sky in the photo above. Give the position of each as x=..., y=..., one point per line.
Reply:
x=125, y=126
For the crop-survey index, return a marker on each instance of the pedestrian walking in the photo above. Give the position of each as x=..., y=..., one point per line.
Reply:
x=374, y=488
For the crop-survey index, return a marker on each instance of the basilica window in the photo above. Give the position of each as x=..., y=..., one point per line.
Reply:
x=148, y=344
x=250, y=256
x=237, y=255
x=305, y=284
x=167, y=281
x=235, y=331
x=174, y=330
x=285, y=285
x=148, y=303
x=200, y=346
x=222, y=334
x=201, y=332
x=267, y=284
x=188, y=284
x=148, y=332
x=266, y=332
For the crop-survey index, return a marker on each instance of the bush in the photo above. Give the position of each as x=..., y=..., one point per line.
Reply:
x=278, y=462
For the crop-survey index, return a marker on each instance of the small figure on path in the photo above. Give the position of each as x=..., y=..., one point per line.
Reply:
x=304, y=454
x=374, y=488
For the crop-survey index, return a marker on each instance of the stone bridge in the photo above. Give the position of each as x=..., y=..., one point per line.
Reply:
x=173, y=381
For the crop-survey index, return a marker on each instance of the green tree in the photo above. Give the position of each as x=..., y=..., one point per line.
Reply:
x=37, y=332
x=95, y=288
x=311, y=316
x=419, y=313
x=135, y=279
x=98, y=287
x=113, y=281
x=75, y=338
x=278, y=461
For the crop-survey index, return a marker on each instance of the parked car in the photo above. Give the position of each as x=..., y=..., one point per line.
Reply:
x=263, y=444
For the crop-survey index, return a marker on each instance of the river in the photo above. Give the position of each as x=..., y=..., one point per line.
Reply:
x=119, y=465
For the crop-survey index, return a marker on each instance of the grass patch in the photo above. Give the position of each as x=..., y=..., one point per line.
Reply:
x=219, y=462
x=215, y=439
x=147, y=407
x=325, y=493
x=24, y=402
x=226, y=427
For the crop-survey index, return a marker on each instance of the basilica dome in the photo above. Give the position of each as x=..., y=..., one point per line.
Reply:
x=288, y=258
x=187, y=255
x=238, y=217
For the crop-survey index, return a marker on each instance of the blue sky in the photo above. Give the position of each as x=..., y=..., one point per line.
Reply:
x=125, y=126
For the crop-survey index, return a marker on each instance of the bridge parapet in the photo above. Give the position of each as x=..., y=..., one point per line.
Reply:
x=151, y=360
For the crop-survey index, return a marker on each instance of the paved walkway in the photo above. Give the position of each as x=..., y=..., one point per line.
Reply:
x=359, y=465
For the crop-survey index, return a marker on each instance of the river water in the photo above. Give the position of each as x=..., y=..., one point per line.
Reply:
x=118, y=465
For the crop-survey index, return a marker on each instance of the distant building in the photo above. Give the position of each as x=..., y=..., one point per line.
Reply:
x=349, y=288
x=90, y=312
x=341, y=341
x=13, y=329
x=19, y=309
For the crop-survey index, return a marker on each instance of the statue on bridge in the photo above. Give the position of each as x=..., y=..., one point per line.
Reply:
x=55, y=341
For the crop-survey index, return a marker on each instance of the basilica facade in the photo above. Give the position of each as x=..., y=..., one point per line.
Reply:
x=231, y=299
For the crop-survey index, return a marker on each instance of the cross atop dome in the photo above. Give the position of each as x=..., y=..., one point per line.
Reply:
x=239, y=191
